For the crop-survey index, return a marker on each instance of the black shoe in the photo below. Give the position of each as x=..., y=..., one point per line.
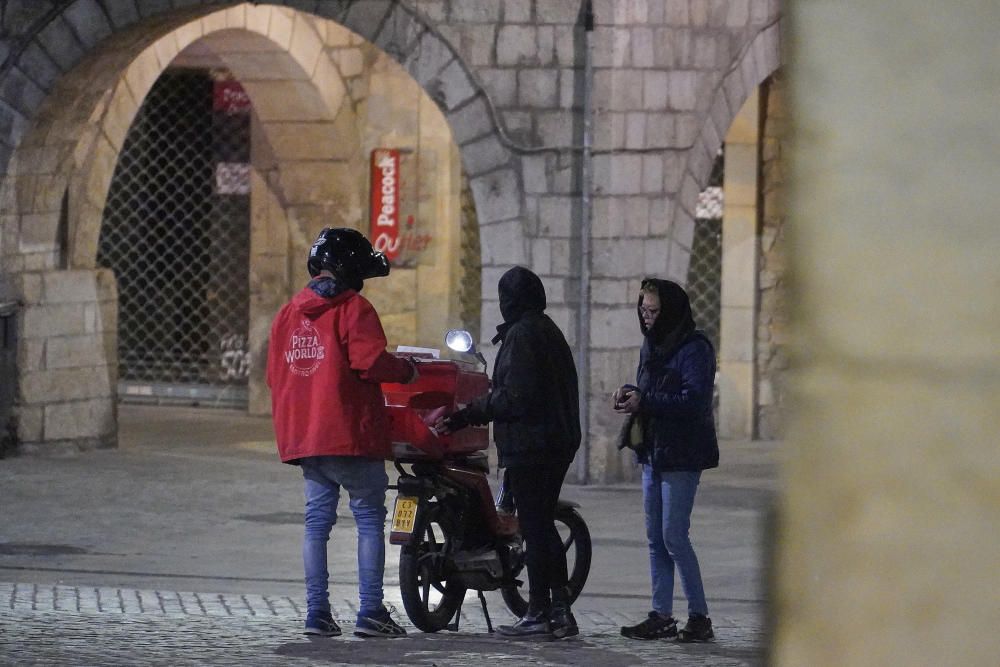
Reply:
x=321, y=623
x=654, y=627
x=698, y=629
x=532, y=624
x=561, y=621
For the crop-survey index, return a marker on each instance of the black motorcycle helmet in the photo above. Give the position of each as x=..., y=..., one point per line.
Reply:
x=348, y=255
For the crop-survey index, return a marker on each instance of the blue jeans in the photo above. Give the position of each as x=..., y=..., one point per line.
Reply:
x=366, y=482
x=668, y=498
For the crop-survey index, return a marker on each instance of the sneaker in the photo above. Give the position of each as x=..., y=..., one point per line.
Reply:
x=321, y=623
x=561, y=621
x=532, y=624
x=698, y=629
x=654, y=627
x=378, y=624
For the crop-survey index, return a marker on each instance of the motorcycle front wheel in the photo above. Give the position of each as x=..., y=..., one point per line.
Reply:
x=576, y=545
x=429, y=598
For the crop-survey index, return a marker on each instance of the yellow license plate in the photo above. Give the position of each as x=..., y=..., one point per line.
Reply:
x=404, y=514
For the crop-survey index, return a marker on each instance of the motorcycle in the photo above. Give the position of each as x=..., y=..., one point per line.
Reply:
x=452, y=537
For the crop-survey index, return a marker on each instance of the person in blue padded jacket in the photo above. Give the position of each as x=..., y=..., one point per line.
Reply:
x=671, y=427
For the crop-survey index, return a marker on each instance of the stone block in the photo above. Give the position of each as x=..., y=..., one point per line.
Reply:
x=497, y=196
x=652, y=174
x=656, y=254
x=30, y=421
x=503, y=243
x=609, y=292
x=305, y=141
x=470, y=121
x=53, y=386
x=642, y=47
x=607, y=324
x=682, y=87
x=517, y=11
x=500, y=85
x=44, y=70
x=654, y=90
x=541, y=256
x=625, y=171
x=478, y=43
x=94, y=418
x=636, y=216
x=428, y=57
x=616, y=258
x=556, y=128
x=288, y=101
x=38, y=232
x=69, y=287
x=306, y=45
x=44, y=321
x=484, y=155
x=661, y=213
x=73, y=351
x=453, y=86
x=635, y=130
x=280, y=27
x=517, y=45
x=571, y=89
x=61, y=44
x=538, y=88
x=122, y=13
x=21, y=92
x=475, y=11
x=678, y=262
x=555, y=217
x=557, y=11
x=683, y=230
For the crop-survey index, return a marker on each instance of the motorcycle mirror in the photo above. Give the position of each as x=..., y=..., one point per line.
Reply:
x=460, y=340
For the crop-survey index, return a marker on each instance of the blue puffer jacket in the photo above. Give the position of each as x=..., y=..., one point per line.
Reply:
x=676, y=408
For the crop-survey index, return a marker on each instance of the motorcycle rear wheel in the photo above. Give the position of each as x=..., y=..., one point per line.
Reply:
x=429, y=597
x=578, y=549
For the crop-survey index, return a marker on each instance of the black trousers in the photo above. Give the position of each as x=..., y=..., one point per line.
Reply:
x=536, y=492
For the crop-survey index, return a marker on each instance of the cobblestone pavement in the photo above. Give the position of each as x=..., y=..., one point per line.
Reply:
x=183, y=547
x=75, y=625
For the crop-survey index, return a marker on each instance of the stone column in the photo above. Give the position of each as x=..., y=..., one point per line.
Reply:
x=739, y=275
x=889, y=538
x=67, y=361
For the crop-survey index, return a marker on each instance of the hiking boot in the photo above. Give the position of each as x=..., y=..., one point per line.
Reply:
x=698, y=629
x=654, y=627
x=378, y=624
x=532, y=624
x=561, y=621
x=321, y=623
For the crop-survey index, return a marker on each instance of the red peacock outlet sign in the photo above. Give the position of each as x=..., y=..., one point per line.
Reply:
x=394, y=198
x=385, y=231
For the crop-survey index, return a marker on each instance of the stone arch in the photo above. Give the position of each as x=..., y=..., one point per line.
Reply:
x=57, y=148
x=74, y=33
x=759, y=58
x=733, y=116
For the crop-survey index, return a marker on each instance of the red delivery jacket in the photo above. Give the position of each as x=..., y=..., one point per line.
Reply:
x=326, y=359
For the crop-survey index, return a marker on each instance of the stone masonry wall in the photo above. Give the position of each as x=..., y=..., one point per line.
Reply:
x=669, y=77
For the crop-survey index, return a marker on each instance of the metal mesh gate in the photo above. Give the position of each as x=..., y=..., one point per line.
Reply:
x=704, y=279
x=176, y=233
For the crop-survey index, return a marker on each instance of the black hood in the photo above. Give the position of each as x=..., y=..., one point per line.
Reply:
x=675, y=321
x=521, y=291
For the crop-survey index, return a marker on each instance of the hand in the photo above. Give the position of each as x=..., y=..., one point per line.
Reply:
x=448, y=425
x=627, y=400
x=621, y=394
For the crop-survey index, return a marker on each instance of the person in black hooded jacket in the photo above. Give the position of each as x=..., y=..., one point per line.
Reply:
x=672, y=429
x=534, y=406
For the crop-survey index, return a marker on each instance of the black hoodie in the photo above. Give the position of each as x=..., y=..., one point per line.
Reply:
x=534, y=402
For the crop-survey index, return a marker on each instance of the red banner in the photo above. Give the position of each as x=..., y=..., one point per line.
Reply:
x=385, y=201
x=230, y=98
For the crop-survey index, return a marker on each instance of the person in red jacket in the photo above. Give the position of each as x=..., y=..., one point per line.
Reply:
x=326, y=360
